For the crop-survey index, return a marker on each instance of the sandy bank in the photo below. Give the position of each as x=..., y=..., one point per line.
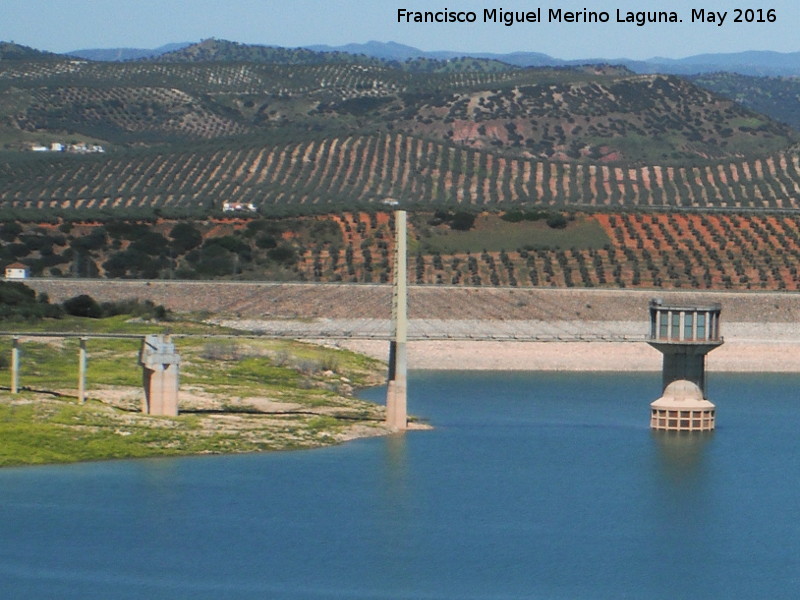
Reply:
x=763, y=357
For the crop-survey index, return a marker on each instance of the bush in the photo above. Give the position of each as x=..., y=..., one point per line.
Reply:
x=9, y=231
x=14, y=293
x=513, y=216
x=83, y=306
x=462, y=221
x=557, y=222
x=135, y=308
x=266, y=241
x=284, y=255
x=185, y=237
x=94, y=241
x=222, y=351
x=151, y=243
x=212, y=261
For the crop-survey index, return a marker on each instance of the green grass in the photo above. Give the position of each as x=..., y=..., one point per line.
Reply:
x=122, y=324
x=493, y=234
x=41, y=432
x=307, y=389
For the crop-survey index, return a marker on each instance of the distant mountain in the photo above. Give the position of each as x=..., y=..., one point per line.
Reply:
x=758, y=63
x=401, y=52
x=120, y=54
x=382, y=50
x=744, y=63
x=752, y=63
x=214, y=50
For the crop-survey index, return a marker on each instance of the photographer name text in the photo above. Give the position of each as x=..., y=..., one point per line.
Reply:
x=718, y=18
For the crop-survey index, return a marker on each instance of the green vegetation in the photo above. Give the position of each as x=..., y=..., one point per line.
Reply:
x=237, y=395
x=773, y=96
x=492, y=233
x=303, y=146
x=19, y=303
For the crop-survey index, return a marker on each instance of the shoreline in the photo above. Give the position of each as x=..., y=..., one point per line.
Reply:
x=731, y=357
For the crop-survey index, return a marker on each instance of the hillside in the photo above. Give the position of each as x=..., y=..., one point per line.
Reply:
x=589, y=113
x=278, y=162
x=520, y=249
x=778, y=97
x=12, y=51
x=332, y=173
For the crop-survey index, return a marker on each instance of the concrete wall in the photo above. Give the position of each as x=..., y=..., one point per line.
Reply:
x=270, y=300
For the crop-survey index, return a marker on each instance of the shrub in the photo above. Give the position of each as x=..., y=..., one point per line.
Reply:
x=212, y=261
x=132, y=306
x=151, y=243
x=266, y=241
x=83, y=306
x=462, y=221
x=9, y=231
x=14, y=293
x=185, y=237
x=557, y=221
x=513, y=216
x=283, y=254
x=221, y=350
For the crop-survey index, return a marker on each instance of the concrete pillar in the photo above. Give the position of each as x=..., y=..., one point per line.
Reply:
x=684, y=362
x=15, y=365
x=396, y=391
x=82, y=371
x=160, y=376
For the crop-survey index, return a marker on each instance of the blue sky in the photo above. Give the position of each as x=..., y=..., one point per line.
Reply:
x=63, y=25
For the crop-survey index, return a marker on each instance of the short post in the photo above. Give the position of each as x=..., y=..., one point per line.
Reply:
x=82, y=371
x=15, y=365
x=396, y=392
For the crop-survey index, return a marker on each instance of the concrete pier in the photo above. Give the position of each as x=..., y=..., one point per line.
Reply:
x=160, y=373
x=15, y=365
x=82, y=371
x=684, y=335
x=396, y=390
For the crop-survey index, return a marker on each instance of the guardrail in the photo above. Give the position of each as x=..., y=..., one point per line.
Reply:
x=308, y=334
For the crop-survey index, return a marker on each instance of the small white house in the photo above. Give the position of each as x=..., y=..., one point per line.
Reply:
x=238, y=207
x=17, y=271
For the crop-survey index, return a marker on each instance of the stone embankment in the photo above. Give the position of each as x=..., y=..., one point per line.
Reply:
x=761, y=330
x=262, y=300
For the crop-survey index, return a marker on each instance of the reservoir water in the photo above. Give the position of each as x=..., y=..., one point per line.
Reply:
x=532, y=486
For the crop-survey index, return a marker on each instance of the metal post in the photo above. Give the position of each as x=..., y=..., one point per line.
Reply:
x=396, y=399
x=15, y=365
x=82, y=371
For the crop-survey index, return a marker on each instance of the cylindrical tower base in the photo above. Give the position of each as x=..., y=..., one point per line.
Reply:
x=682, y=408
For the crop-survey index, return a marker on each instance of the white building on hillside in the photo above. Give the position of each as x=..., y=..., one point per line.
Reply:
x=17, y=271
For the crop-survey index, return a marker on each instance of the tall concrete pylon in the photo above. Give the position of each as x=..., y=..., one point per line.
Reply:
x=396, y=394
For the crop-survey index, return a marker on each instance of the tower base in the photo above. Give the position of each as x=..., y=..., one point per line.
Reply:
x=396, y=406
x=682, y=408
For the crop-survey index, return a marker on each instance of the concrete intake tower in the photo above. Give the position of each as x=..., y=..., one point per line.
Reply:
x=684, y=335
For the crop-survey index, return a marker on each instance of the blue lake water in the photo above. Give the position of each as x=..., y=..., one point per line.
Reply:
x=532, y=485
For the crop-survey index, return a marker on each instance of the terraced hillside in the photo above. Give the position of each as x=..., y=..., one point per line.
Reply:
x=630, y=250
x=331, y=173
x=579, y=177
